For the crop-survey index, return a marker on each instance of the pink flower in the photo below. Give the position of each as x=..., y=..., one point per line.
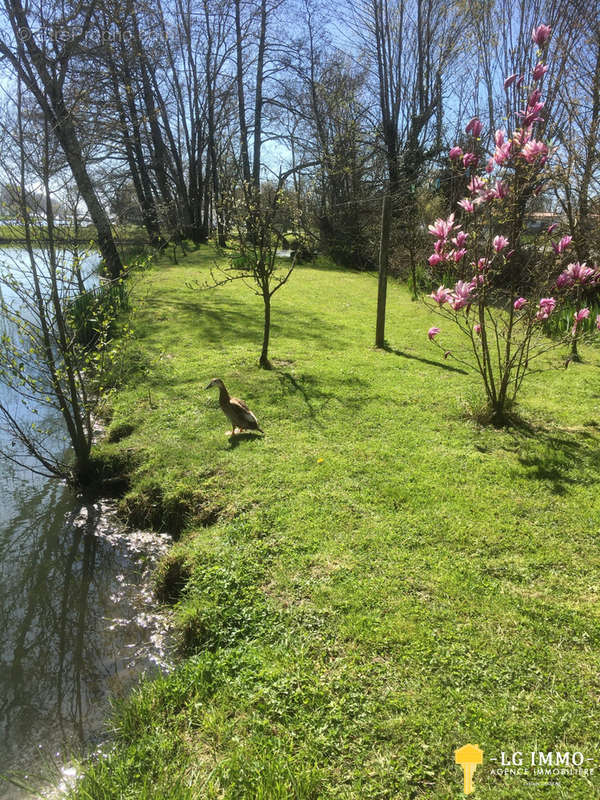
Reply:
x=500, y=190
x=442, y=295
x=442, y=227
x=562, y=245
x=474, y=127
x=502, y=153
x=500, y=242
x=462, y=295
x=539, y=71
x=433, y=332
x=598, y=322
x=477, y=329
x=519, y=303
x=467, y=205
x=547, y=306
x=434, y=259
x=534, y=97
x=460, y=238
x=510, y=80
x=552, y=227
x=482, y=264
x=583, y=313
x=489, y=167
x=541, y=35
x=575, y=273
x=458, y=254
x=533, y=149
x=455, y=153
x=470, y=158
x=531, y=114
x=475, y=184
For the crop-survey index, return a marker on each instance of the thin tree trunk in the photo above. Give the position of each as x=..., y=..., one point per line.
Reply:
x=386, y=217
x=264, y=355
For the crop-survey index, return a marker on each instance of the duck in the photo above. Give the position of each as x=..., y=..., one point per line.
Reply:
x=235, y=410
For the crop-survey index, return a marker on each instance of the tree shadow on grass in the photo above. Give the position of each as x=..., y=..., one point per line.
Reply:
x=221, y=320
x=402, y=354
x=317, y=394
x=557, y=457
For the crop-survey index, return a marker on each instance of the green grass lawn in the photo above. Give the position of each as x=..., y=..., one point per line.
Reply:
x=375, y=582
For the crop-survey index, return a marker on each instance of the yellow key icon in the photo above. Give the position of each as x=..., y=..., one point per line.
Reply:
x=469, y=757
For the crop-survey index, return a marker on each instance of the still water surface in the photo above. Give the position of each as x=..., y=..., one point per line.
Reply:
x=78, y=623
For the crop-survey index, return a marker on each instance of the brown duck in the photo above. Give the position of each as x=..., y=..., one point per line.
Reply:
x=235, y=410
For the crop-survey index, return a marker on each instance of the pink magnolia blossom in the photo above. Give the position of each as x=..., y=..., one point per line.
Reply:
x=442, y=227
x=442, y=295
x=541, y=34
x=547, y=306
x=500, y=242
x=455, y=153
x=433, y=332
x=519, y=303
x=510, y=80
x=461, y=296
x=562, y=245
x=474, y=127
x=475, y=184
x=483, y=264
x=583, y=313
x=598, y=322
x=435, y=259
x=539, y=71
x=499, y=138
x=533, y=149
x=467, y=205
x=500, y=190
x=534, y=97
x=576, y=273
x=458, y=254
x=460, y=238
x=520, y=80
x=502, y=153
x=552, y=227
x=489, y=167
x=477, y=329
x=531, y=114
x=470, y=158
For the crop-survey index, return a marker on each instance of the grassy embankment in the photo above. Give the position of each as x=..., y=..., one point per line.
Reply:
x=378, y=580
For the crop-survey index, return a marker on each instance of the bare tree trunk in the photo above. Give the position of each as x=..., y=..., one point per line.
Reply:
x=264, y=355
x=386, y=217
x=47, y=89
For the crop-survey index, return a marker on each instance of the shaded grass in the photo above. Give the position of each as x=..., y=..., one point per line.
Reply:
x=380, y=580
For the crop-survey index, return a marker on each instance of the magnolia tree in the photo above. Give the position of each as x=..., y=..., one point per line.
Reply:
x=506, y=289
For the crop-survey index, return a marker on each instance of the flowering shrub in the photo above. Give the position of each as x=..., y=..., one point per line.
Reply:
x=504, y=290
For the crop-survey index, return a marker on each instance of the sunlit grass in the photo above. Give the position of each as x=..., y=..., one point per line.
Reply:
x=376, y=581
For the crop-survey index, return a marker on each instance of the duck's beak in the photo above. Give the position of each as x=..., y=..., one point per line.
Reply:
x=209, y=385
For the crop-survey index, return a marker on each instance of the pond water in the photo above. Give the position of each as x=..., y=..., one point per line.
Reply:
x=78, y=623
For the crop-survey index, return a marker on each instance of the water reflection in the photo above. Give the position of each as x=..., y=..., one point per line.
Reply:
x=77, y=621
